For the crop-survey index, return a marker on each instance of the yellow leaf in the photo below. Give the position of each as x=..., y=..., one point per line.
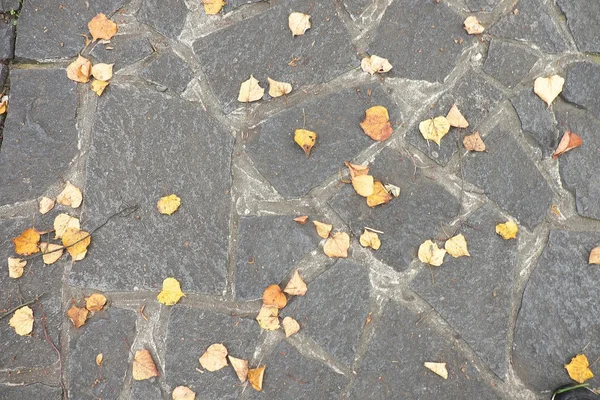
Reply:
x=273, y=296
x=357, y=170
x=548, y=88
x=474, y=142
x=323, y=229
x=507, y=230
x=370, y=239
x=99, y=86
x=62, y=222
x=268, y=318
x=379, y=196
x=296, y=286
x=214, y=358
x=278, y=89
x=255, y=377
x=99, y=359
x=431, y=254
x=27, y=243
x=171, y=292
x=70, y=196
x=438, y=368
x=569, y=141
x=15, y=267
x=76, y=242
x=457, y=246
x=298, y=23
x=595, y=255
x=240, y=367
x=290, y=326
x=168, y=204
x=377, y=123
x=579, y=369
x=473, y=26
x=183, y=393
x=337, y=245
x=301, y=219
x=80, y=70
x=363, y=185
x=102, y=71
x=213, y=7
x=77, y=315
x=95, y=302
x=250, y=91
x=102, y=28
x=455, y=118
x=22, y=321
x=375, y=64
x=143, y=365
x=434, y=129
x=51, y=252
x=46, y=204
x=305, y=139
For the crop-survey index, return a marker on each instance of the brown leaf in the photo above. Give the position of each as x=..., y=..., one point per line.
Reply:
x=15, y=267
x=568, y=142
x=337, y=245
x=213, y=7
x=455, y=118
x=98, y=86
x=76, y=242
x=168, y=204
x=305, y=139
x=377, y=123
x=375, y=64
x=370, y=239
x=380, y=195
x=296, y=286
x=62, y=222
x=595, y=256
x=363, y=185
x=102, y=71
x=77, y=315
x=301, y=219
x=250, y=91
x=438, y=368
x=80, y=70
x=473, y=26
x=323, y=229
x=273, y=296
x=240, y=367
x=255, y=377
x=298, y=23
x=278, y=89
x=214, y=358
x=579, y=368
x=95, y=302
x=102, y=28
x=548, y=88
x=268, y=318
x=474, y=142
x=143, y=366
x=27, y=243
x=51, y=252
x=70, y=196
x=22, y=321
x=290, y=326
x=46, y=204
x=357, y=170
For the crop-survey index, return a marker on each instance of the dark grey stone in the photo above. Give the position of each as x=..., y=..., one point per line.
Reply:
x=146, y=390
x=393, y=366
x=3, y=76
x=582, y=19
x=536, y=120
x=324, y=50
x=475, y=97
x=111, y=333
x=190, y=333
x=126, y=50
x=268, y=247
x=166, y=16
x=558, y=316
x=8, y=5
x=146, y=146
x=40, y=137
x=418, y=37
x=336, y=120
x=7, y=39
x=337, y=326
x=532, y=24
x=235, y=4
x=168, y=70
x=34, y=391
x=50, y=30
x=417, y=215
x=288, y=375
x=508, y=62
x=481, y=5
x=474, y=293
x=579, y=167
x=509, y=177
x=582, y=87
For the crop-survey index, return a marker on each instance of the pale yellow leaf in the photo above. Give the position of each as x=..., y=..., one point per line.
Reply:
x=337, y=245
x=296, y=286
x=278, y=89
x=431, y=254
x=15, y=267
x=507, y=230
x=143, y=366
x=438, y=368
x=579, y=368
x=171, y=292
x=473, y=26
x=80, y=70
x=183, y=393
x=595, y=255
x=370, y=239
x=250, y=91
x=298, y=23
x=473, y=142
x=323, y=229
x=240, y=367
x=70, y=196
x=375, y=64
x=214, y=358
x=99, y=359
x=98, y=86
x=457, y=246
x=268, y=318
x=46, y=204
x=363, y=185
x=290, y=326
x=455, y=118
x=51, y=252
x=95, y=302
x=102, y=71
x=357, y=170
x=393, y=189
x=548, y=88
x=102, y=28
x=22, y=321
x=434, y=129
x=62, y=222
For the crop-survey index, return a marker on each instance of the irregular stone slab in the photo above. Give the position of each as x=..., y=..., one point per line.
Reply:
x=356, y=7
x=407, y=221
x=146, y=146
x=536, y=120
x=7, y=39
x=35, y=391
x=579, y=167
x=235, y=4
x=3, y=76
x=324, y=50
x=481, y=5
x=190, y=333
x=393, y=366
x=268, y=247
x=336, y=120
x=532, y=24
x=581, y=86
x=508, y=62
x=473, y=293
x=146, y=390
x=110, y=333
x=558, y=316
x=419, y=39
x=40, y=137
x=7, y=5
x=47, y=31
x=475, y=97
x=126, y=50
x=170, y=71
x=582, y=19
x=516, y=184
x=166, y=16
x=288, y=375
x=334, y=317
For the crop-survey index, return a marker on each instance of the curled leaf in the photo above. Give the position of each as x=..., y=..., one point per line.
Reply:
x=171, y=292
x=255, y=377
x=250, y=91
x=337, y=245
x=375, y=64
x=76, y=242
x=214, y=358
x=323, y=229
x=434, y=129
x=455, y=118
x=431, y=254
x=473, y=26
x=27, y=242
x=377, y=123
x=379, y=196
x=268, y=318
x=22, y=321
x=70, y=196
x=290, y=326
x=393, y=189
x=507, y=230
x=99, y=359
x=370, y=239
x=77, y=315
x=278, y=89
x=168, y=204
x=296, y=286
x=579, y=368
x=568, y=142
x=298, y=23
x=80, y=70
x=301, y=219
x=457, y=246
x=273, y=296
x=548, y=88
x=357, y=170
x=474, y=142
x=95, y=302
x=143, y=366
x=102, y=28
x=305, y=139
x=363, y=185
x=15, y=267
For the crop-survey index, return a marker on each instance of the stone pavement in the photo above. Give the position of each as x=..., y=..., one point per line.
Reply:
x=504, y=320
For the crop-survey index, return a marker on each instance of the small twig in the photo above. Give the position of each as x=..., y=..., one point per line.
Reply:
x=27, y=303
x=373, y=230
x=304, y=122
x=60, y=366
x=423, y=317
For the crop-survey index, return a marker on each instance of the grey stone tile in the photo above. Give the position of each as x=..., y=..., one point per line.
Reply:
x=268, y=247
x=334, y=310
x=167, y=17
x=7, y=36
x=582, y=19
x=126, y=50
x=40, y=137
x=417, y=215
x=7, y=5
x=235, y=4
x=3, y=76
x=111, y=333
x=532, y=24
x=356, y=7
x=34, y=391
x=393, y=366
x=558, y=316
x=336, y=120
x=536, y=120
x=418, y=37
x=508, y=62
x=481, y=5
x=146, y=390
x=324, y=50
x=48, y=30
x=170, y=71
x=582, y=86
x=146, y=146
x=190, y=333
x=474, y=293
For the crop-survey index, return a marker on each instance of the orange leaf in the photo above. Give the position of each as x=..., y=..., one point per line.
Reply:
x=357, y=170
x=305, y=139
x=102, y=28
x=76, y=242
x=95, y=302
x=77, y=315
x=255, y=377
x=337, y=245
x=301, y=219
x=377, y=123
x=379, y=196
x=143, y=365
x=27, y=243
x=568, y=142
x=474, y=142
x=273, y=296
x=80, y=70
x=296, y=286
x=323, y=230
x=214, y=358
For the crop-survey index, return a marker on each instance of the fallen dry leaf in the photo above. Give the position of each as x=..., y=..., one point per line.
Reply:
x=375, y=64
x=290, y=326
x=393, y=189
x=305, y=139
x=473, y=142
x=507, y=230
x=301, y=219
x=296, y=286
x=99, y=86
x=434, y=129
x=457, y=246
x=473, y=26
x=62, y=222
x=214, y=358
x=76, y=242
x=379, y=196
x=22, y=321
x=70, y=196
x=102, y=71
x=213, y=7
x=183, y=393
x=438, y=368
x=548, y=88
x=250, y=91
x=255, y=377
x=323, y=229
x=240, y=367
x=3, y=106
x=15, y=267
x=143, y=366
x=431, y=254
x=273, y=296
x=95, y=302
x=278, y=89
x=370, y=239
x=363, y=185
x=171, y=292
x=377, y=123
x=298, y=23
x=337, y=245
x=77, y=315
x=357, y=170
x=51, y=252
x=568, y=142
x=27, y=242
x=102, y=28
x=46, y=204
x=80, y=70
x=168, y=204
x=455, y=118
x=595, y=256
x=268, y=318
x=579, y=368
